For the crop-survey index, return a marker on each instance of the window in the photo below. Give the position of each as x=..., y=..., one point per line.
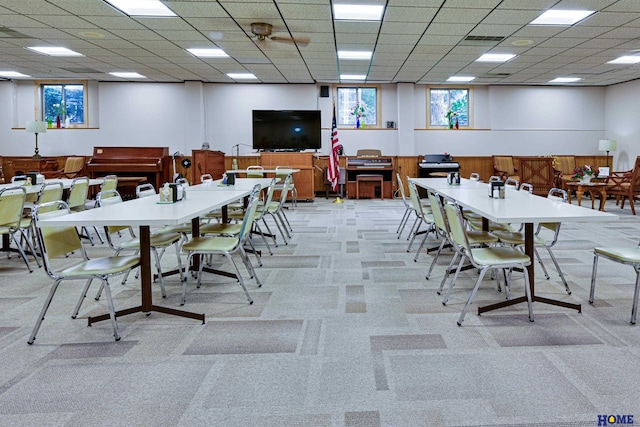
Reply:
x=64, y=100
x=443, y=100
x=349, y=97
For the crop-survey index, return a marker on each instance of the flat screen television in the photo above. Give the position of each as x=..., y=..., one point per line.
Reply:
x=286, y=130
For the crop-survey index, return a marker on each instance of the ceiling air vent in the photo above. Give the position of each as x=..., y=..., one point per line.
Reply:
x=13, y=34
x=481, y=41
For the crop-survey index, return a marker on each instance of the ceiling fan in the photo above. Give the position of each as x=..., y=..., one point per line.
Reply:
x=262, y=31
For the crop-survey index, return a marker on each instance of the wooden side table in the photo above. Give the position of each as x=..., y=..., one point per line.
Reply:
x=592, y=188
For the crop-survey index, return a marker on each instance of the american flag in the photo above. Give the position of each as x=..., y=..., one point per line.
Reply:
x=334, y=165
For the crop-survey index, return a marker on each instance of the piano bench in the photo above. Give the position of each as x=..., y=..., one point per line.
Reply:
x=375, y=178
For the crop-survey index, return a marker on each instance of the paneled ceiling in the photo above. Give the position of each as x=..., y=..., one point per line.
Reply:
x=417, y=41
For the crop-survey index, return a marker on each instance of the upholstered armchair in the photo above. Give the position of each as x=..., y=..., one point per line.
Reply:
x=73, y=168
x=504, y=168
x=625, y=185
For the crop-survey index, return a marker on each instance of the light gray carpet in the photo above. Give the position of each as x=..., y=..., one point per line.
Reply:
x=346, y=331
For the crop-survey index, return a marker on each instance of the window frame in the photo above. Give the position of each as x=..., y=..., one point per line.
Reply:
x=40, y=106
x=469, y=90
x=378, y=89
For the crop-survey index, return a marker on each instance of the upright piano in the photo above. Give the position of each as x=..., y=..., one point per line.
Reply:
x=434, y=165
x=150, y=163
x=370, y=165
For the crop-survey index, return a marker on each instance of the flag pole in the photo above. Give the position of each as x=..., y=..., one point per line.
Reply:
x=333, y=169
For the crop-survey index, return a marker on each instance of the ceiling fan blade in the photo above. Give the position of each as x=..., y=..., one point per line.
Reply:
x=301, y=41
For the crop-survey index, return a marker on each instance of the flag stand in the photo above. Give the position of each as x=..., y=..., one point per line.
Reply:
x=338, y=200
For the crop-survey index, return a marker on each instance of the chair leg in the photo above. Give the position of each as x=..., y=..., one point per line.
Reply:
x=22, y=253
x=239, y=277
x=247, y=262
x=81, y=299
x=471, y=295
x=634, y=308
x=594, y=272
x=112, y=311
x=435, y=258
x=453, y=280
x=447, y=272
x=555, y=262
x=47, y=302
x=402, y=221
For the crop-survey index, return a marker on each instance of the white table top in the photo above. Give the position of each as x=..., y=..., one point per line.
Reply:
x=240, y=184
x=147, y=211
x=517, y=206
x=66, y=183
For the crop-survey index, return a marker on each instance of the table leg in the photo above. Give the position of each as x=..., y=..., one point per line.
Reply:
x=147, y=305
x=579, y=193
x=603, y=199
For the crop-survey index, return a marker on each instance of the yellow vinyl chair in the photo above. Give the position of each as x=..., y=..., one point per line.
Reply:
x=11, y=219
x=423, y=216
x=227, y=246
x=484, y=258
x=57, y=243
x=50, y=192
x=159, y=243
x=77, y=200
x=624, y=256
x=255, y=171
x=546, y=236
x=281, y=174
x=276, y=210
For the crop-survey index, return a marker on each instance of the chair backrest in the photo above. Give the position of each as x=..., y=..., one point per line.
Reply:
x=256, y=171
x=283, y=171
x=557, y=194
x=512, y=183
x=369, y=152
x=401, y=189
x=182, y=181
x=250, y=213
x=108, y=198
x=206, y=178
x=437, y=212
x=50, y=192
x=284, y=190
x=11, y=206
x=145, y=190
x=110, y=183
x=56, y=242
x=538, y=171
x=494, y=178
x=475, y=176
x=269, y=197
x=18, y=178
x=456, y=228
x=73, y=166
x=415, y=199
x=504, y=164
x=525, y=186
x=78, y=193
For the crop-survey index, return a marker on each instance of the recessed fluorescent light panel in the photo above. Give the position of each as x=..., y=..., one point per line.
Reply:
x=357, y=12
x=353, y=76
x=565, y=80
x=11, y=74
x=460, y=79
x=208, y=53
x=54, y=51
x=496, y=57
x=142, y=7
x=353, y=54
x=561, y=17
x=241, y=76
x=625, y=60
x=127, y=75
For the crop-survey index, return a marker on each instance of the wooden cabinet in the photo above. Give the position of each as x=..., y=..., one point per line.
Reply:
x=13, y=165
x=303, y=180
x=207, y=161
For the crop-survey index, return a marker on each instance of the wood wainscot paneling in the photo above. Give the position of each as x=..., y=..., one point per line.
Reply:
x=304, y=180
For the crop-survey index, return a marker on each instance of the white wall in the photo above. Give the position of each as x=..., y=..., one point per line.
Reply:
x=507, y=119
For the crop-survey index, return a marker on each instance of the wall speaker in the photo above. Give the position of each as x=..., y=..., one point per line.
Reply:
x=324, y=91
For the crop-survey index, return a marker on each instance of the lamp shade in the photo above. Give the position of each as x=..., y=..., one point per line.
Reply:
x=36, y=126
x=607, y=145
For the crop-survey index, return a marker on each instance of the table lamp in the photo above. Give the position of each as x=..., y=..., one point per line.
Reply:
x=36, y=126
x=607, y=145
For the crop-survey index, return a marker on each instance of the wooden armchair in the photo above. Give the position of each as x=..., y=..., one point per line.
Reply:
x=73, y=168
x=539, y=172
x=504, y=168
x=564, y=167
x=625, y=185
